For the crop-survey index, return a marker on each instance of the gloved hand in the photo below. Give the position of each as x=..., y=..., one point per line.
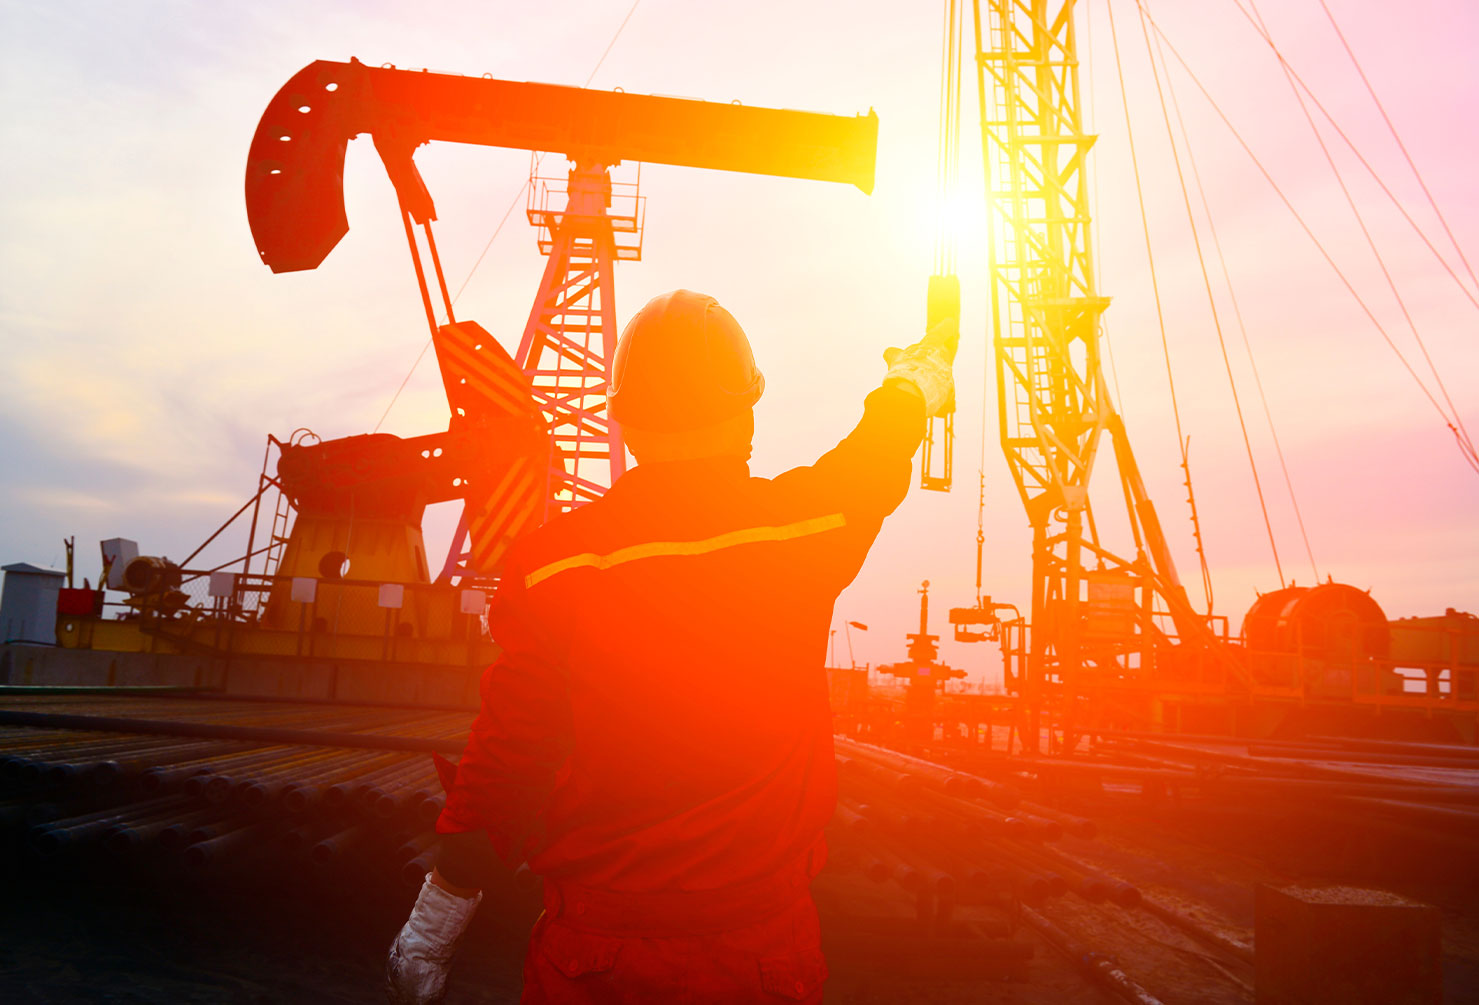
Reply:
x=927, y=366
x=420, y=956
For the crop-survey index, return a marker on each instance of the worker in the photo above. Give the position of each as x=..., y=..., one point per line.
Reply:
x=655, y=738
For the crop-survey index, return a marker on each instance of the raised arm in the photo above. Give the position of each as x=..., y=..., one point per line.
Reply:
x=867, y=474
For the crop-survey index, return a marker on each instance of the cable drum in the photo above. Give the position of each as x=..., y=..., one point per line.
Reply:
x=1328, y=638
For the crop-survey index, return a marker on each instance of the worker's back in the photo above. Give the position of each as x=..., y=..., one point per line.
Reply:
x=681, y=625
x=702, y=753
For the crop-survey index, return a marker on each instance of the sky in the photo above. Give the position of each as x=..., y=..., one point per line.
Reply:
x=150, y=353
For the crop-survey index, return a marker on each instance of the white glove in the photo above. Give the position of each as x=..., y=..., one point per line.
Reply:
x=420, y=956
x=927, y=366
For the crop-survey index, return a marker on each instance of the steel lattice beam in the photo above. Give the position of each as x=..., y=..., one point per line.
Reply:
x=1053, y=403
x=570, y=340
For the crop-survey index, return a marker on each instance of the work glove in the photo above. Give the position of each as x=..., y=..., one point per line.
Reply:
x=927, y=366
x=421, y=955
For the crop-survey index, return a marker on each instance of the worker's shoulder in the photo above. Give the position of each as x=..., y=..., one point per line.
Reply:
x=573, y=531
x=795, y=494
x=634, y=513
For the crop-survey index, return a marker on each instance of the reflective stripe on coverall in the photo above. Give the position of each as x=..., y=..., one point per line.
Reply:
x=656, y=736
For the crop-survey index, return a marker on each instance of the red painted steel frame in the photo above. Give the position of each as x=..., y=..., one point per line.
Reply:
x=294, y=190
x=570, y=339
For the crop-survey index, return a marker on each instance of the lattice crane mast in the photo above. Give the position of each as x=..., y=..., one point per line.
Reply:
x=1093, y=610
x=295, y=203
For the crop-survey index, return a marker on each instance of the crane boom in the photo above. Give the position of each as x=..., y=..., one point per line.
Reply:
x=294, y=177
x=1092, y=609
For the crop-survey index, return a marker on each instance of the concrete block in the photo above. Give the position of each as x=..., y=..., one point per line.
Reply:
x=1343, y=944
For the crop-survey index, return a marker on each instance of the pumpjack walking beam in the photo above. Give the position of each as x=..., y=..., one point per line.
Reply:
x=295, y=184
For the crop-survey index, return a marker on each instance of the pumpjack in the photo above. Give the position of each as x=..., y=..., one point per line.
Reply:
x=295, y=204
x=344, y=572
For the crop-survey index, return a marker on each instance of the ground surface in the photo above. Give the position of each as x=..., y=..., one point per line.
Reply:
x=153, y=931
x=276, y=928
x=158, y=934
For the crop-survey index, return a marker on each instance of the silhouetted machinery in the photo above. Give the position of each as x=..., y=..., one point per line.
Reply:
x=344, y=572
x=923, y=673
x=1333, y=637
x=1445, y=648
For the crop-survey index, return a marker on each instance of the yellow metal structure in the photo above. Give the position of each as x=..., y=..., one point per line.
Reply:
x=1111, y=636
x=383, y=550
x=1093, y=614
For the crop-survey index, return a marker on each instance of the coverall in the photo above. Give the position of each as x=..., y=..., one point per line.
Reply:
x=655, y=737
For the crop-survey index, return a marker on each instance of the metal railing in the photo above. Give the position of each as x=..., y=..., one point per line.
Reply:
x=229, y=614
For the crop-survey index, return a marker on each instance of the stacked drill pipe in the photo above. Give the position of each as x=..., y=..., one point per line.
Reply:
x=222, y=784
x=1371, y=803
x=950, y=839
x=1429, y=790
x=368, y=727
x=959, y=837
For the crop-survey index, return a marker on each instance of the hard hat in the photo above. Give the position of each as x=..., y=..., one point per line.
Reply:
x=683, y=362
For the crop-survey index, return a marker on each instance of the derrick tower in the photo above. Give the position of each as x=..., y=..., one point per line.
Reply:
x=1094, y=611
x=570, y=339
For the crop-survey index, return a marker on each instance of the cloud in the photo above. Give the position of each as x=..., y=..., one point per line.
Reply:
x=53, y=498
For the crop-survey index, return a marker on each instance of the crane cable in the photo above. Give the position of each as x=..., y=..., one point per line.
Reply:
x=1212, y=303
x=1361, y=158
x=1456, y=423
x=1237, y=310
x=947, y=163
x=947, y=240
x=496, y=231
x=1115, y=397
x=1470, y=457
x=1181, y=441
x=943, y=298
x=986, y=354
x=1400, y=145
